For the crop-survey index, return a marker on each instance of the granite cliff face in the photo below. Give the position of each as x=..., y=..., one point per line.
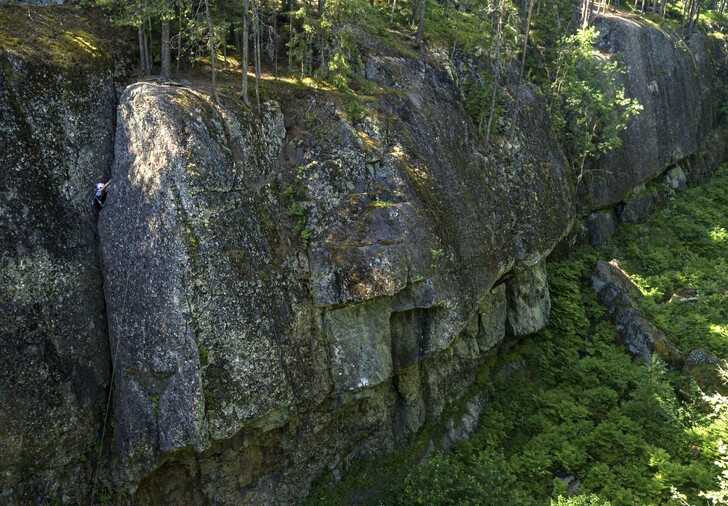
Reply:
x=678, y=84
x=276, y=296
x=270, y=287
x=56, y=129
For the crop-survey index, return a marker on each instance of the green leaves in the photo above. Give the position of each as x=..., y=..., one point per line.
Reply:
x=588, y=102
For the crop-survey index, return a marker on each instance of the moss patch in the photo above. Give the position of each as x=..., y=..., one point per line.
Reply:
x=62, y=36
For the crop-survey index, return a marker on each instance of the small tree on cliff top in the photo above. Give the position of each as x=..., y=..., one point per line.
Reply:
x=589, y=105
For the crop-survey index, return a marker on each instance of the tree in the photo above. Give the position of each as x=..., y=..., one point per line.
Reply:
x=420, y=17
x=167, y=14
x=245, y=51
x=256, y=50
x=497, y=64
x=527, y=31
x=212, y=45
x=586, y=7
x=588, y=105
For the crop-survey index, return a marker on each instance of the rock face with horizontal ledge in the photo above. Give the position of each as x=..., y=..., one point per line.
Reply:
x=263, y=312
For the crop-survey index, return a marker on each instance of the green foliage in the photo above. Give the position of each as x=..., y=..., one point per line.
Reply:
x=471, y=26
x=553, y=20
x=588, y=103
x=295, y=197
x=477, y=101
x=331, y=39
x=580, y=500
x=683, y=250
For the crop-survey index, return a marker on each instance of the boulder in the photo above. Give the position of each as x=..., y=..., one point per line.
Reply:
x=492, y=315
x=529, y=302
x=601, y=226
x=675, y=179
x=619, y=295
x=639, y=205
x=461, y=428
x=699, y=357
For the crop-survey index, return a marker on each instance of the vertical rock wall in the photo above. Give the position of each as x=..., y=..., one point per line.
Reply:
x=56, y=128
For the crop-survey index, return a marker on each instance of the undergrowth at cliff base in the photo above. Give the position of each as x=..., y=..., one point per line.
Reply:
x=579, y=412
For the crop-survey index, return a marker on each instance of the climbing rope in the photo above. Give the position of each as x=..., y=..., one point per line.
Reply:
x=113, y=370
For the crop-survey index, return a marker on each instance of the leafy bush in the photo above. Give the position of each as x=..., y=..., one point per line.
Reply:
x=588, y=103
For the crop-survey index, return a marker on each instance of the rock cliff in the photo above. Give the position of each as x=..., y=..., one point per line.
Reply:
x=57, y=110
x=311, y=296
x=678, y=84
x=274, y=297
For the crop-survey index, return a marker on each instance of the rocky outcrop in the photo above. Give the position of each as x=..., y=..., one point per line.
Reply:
x=619, y=295
x=677, y=84
x=262, y=285
x=287, y=293
x=193, y=296
x=56, y=128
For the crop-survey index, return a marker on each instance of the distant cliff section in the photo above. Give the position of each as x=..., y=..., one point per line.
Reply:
x=680, y=134
x=276, y=296
x=37, y=3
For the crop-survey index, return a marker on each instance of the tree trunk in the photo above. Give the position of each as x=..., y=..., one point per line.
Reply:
x=531, y=4
x=322, y=42
x=166, y=60
x=276, y=39
x=290, y=37
x=244, y=58
x=256, y=51
x=421, y=22
x=147, y=55
x=585, y=12
x=148, y=42
x=142, y=48
x=213, y=52
x=179, y=39
x=496, y=76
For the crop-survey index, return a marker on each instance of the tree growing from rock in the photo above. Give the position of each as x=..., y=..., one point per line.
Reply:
x=588, y=104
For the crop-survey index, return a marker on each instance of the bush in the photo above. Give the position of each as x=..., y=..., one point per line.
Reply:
x=588, y=102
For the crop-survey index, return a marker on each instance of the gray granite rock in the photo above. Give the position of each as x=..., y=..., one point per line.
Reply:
x=529, y=302
x=56, y=131
x=675, y=179
x=619, y=295
x=639, y=205
x=675, y=84
x=601, y=226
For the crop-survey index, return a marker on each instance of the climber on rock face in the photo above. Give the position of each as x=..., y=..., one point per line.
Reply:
x=100, y=195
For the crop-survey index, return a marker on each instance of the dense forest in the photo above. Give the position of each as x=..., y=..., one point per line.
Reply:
x=546, y=43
